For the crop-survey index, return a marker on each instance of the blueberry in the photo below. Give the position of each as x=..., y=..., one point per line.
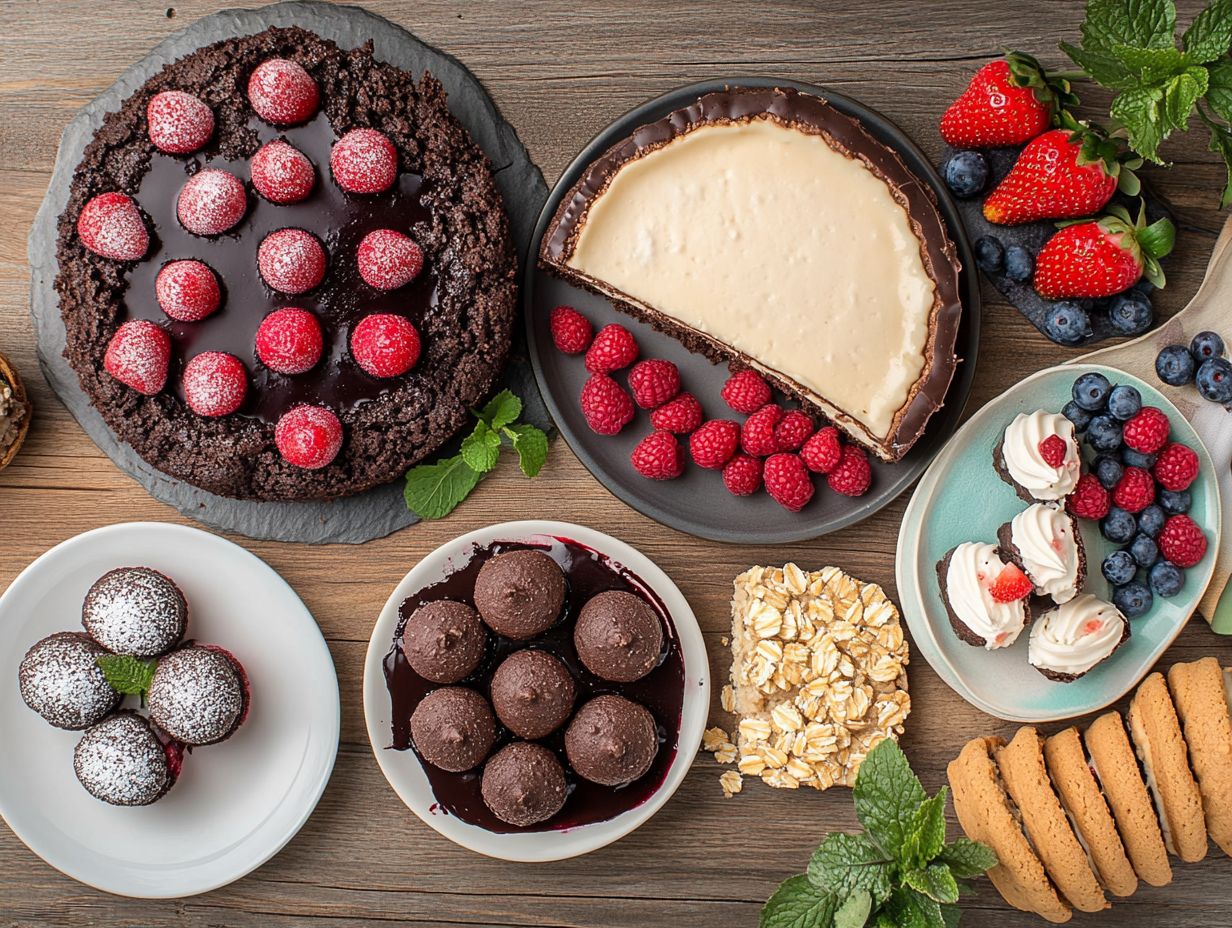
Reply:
x=1124, y=402
x=966, y=173
x=1206, y=345
x=1067, y=323
x=1132, y=458
x=1108, y=471
x=1175, y=502
x=1119, y=568
x=1144, y=286
x=1151, y=520
x=1166, y=579
x=1131, y=313
x=1143, y=550
x=1133, y=599
x=1214, y=380
x=1104, y=433
x=1019, y=265
x=1090, y=391
x=989, y=256
x=1118, y=526
x=1175, y=366
x=1077, y=415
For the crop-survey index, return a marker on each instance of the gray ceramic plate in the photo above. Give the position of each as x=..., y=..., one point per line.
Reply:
x=698, y=503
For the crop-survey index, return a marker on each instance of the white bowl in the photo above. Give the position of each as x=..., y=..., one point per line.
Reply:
x=236, y=803
x=403, y=769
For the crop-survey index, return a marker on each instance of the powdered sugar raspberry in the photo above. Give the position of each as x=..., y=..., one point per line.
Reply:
x=179, y=123
x=364, y=161
x=215, y=383
x=211, y=202
x=110, y=225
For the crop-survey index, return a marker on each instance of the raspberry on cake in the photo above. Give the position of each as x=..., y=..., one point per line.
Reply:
x=211, y=202
x=282, y=173
x=179, y=123
x=282, y=92
x=138, y=356
x=187, y=290
x=309, y=436
x=289, y=340
x=364, y=161
x=388, y=259
x=291, y=261
x=215, y=383
x=385, y=344
x=110, y=225
x=1024, y=455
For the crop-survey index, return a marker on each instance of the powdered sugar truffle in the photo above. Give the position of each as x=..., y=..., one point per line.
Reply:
x=196, y=696
x=122, y=762
x=60, y=680
x=135, y=610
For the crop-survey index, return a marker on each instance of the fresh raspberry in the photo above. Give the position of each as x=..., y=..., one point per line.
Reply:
x=388, y=260
x=742, y=475
x=1147, y=432
x=612, y=349
x=1181, y=541
x=714, y=443
x=289, y=340
x=282, y=92
x=282, y=173
x=1089, y=500
x=653, y=382
x=187, y=290
x=681, y=415
x=215, y=383
x=571, y=331
x=179, y=123
x=364, y=161
x=385, y=344
x=308, y=436
x=1011, y=584
x=793, y=430
x=1176, y=467
x=757, y=436
x=823, y=450
x=787, y=481
x=110, y=225
x=605, y=404
x=658, y=457
x=1135, y=490
x=138, y=356
x=1052, y=449
x=291, y=261
x=746, y=392
x=852, y=475
x=211, y=202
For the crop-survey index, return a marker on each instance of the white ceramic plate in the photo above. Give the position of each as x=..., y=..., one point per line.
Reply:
x=402, y=768
x=237, y=803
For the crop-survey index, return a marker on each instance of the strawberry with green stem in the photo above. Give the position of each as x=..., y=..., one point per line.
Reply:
x=1008, y=102
x=1102, y=257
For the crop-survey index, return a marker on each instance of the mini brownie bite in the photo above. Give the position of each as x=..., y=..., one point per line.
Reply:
x=135, y=610
x=60, y=680
x=618, y=637
x=532, y=693
x=611, y=741
x=444, y=641
x=453, y=728
x=520, y=593
x=198, y=695
x=524, y=784
x=122, y=761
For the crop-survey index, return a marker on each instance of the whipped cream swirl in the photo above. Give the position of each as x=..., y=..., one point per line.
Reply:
x=973, y=569
x=1076, y=636
x=1045, y=538
x=1020, y=449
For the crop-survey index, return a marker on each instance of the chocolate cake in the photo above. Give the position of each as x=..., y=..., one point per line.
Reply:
x=370, y=428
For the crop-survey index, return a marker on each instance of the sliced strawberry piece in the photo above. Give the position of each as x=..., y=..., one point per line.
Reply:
x=1011, y=584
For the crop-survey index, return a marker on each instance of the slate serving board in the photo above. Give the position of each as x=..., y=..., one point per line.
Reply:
x=351, y=520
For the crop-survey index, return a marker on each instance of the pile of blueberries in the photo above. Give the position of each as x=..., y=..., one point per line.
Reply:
x=1201, y=364
x=1098, y=409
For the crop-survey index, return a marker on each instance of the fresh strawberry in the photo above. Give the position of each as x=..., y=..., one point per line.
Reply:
x=388, y=259
x=1011, y=584
x=757, y=436
x=788, y=481
x=605, y=404
x=746, y=392
x=1182, y=542
x=110, y=225
x=822, y=452
x=364, y=161
x=179, y=123
x=852, y=475
x=571, y=331
x=681, y=415
x=1008, y=102
x=211, y=202
x=215, y=383
x=289, y=340
x=385, y=344
x=1176, y=467
x=1147, y=431
x=653, y=382
x=138, y=356
x=282, y=92
x=714, y=443
x=613, y=348
x=658, y=457
x=308, y=436
x=742, y=475
x=1089, y=500
x=282, y=173
x=793, y=430
x=1052, y=449
x=187, y=290
x=1103, y=257
x=291, y=260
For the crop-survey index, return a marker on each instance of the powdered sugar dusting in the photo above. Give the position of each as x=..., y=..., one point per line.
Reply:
x=138, y=355
x=196, y=696
x=291, y=260
x=121, y=761
x=215, y=383
x=282, y=92
x=179, y=123
x=187, y=290
x=135, y=610
x=211, y=202
x=388, y=260
x=364, y=161
x=110, y=225
x=282, y=173
x=61, y=681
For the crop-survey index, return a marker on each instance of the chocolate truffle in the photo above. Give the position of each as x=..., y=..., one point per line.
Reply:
x=60, y=680
x=520, y=593
x=611, y=741
x=532, y=693
x=198, y=695
x=444, y=641
x=524, y=784
x=135, y=610
x=122, y=761
x=618, y=637
x=453, y=728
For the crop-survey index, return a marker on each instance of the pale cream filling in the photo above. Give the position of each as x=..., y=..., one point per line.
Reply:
x=1142, y=745
x=768, y=240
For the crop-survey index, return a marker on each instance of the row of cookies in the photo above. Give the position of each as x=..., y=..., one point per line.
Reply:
x=1076, y=817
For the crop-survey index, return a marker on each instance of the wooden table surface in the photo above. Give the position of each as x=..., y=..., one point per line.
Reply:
x=559, y=71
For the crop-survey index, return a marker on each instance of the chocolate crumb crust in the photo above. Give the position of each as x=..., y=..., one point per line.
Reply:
x=467, y=327
x=814, y=115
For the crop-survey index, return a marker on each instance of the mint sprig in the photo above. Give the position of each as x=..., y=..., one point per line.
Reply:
x=898, y=873
x=127, y=674
x=434, y=490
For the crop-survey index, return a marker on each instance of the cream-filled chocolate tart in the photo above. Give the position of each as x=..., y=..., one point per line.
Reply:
x=764, y=227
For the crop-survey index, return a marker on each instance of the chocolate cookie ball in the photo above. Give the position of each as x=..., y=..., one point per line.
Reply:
x=611, y=741
x=135, y=610
x=532, y=693
x=60, y=679
x=524, y=784
x=122, y=761
x=520, y=593
x=618, y=637
x=198, y=695
x=444, y=641
x=453, y=728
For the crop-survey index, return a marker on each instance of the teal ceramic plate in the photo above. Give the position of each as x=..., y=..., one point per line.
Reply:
x=962, y=498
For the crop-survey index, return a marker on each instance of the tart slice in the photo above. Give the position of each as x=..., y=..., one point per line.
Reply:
x=765, y=228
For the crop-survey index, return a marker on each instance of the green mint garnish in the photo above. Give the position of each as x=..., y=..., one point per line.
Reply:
x=126, y=674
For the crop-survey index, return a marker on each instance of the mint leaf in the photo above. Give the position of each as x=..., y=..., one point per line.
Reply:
x=531, y=444
x=1210, y=34
x=481, y=448
x=967, y=858
x=126, y=674
x=910, y=909
x=887, y=793
x=1140, y=111
x=1141, y=23
x=1221, y=144
x=927, y=835
x=950, y=914
x=1219, y=88
x=434, y=490
x=501, y=410
x=1181, y=93
x=935, y=881
x=798, y=904
x=846, y=863
x=854, y=911
x=1151, y=65
x=1103, y=66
